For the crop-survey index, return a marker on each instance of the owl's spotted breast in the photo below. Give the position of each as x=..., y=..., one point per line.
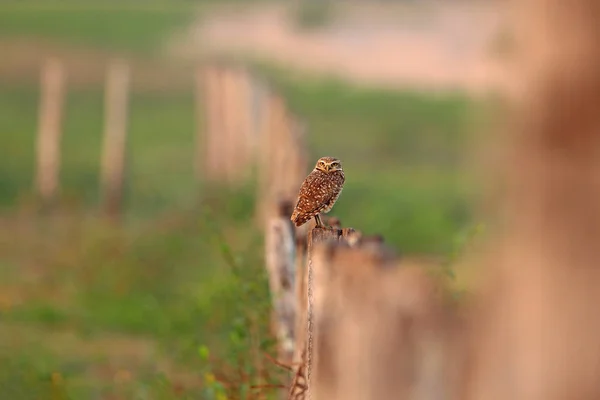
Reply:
x=318, y=194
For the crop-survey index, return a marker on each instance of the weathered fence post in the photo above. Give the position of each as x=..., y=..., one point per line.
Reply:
x=230, y=118
x=379, y=329
x=301, y=298
x=537, y=326
x=282, y=163
x=50, y=129
x=315, y=237
x=280, y=259
x=228, y=147
x=300, y=387
x=244, y=125
x=213, y=145
x=115, y=136
x=297, y=164
x=236, y=88
x=270, y=156
x=204, y=120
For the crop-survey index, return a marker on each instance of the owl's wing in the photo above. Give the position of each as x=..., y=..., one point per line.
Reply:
x=314, y=194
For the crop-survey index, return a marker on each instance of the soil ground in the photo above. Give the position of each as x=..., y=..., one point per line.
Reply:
x=425, y=45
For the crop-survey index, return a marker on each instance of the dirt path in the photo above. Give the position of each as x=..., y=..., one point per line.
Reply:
x=426, y=45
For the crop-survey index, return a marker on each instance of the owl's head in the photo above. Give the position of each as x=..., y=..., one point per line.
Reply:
x=328, y=164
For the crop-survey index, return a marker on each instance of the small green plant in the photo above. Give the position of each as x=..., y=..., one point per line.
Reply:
x=213, y=389
x=462, y=241
x=240, y=369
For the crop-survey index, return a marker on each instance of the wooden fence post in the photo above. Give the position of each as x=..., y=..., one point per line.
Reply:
x=379, y=329
x=258, y=93
x=301, y=298
x=297, y=167
x=264, y=162
x=50, y=129
x=283, y=162
x=204, y=119
x=280, y=261
x=237, y=121
x=213, y=148
x=245, y=136
x=315, y=238
x=273, y=154
x=230, y=117
x=115, y=136
x=280, y=147
x=227, y=140
x=537, y=327
x=296, y=162
x=280, y=256
x=300, y=387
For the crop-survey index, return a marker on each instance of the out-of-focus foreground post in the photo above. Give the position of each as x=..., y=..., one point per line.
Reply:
x=537, y=330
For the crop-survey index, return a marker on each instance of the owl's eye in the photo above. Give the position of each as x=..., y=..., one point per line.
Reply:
x=335, y=165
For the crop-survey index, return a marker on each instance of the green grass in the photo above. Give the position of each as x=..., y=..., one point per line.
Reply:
x=112, y=25
x=190, y=278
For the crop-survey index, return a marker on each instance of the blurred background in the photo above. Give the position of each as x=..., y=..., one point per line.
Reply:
x=131, y=259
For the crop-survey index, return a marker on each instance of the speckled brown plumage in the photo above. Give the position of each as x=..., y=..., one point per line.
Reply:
x=319, y=191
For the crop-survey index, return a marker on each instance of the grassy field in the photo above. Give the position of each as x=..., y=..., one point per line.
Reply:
x=129, y=25
x=177, y=297
x=161, y=128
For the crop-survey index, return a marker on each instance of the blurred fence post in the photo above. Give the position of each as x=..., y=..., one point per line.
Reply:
x=300, y=386
x=229, y=116
x=280, y=257
x=204, y=118
x=280, y=261
x=115, y=136
x=296, y=162
x=234, y=109
x=375, y=329
x=243, y=124
x=248, y=126
x=301, y=286
x=282, y=164
x=229, y=129
x=214, y=135
x=50, y=128
x=264, y=162
x=537, y=326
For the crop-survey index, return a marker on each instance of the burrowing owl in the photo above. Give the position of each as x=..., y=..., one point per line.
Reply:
x=319, y=191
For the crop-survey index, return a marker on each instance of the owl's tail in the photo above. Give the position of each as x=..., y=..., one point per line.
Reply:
x=294, y=217
x=297, y=218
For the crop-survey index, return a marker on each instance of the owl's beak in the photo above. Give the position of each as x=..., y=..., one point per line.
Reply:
x=328, y=167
